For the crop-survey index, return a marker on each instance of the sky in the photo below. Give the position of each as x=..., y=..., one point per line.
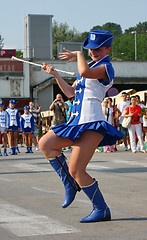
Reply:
x=79, y=14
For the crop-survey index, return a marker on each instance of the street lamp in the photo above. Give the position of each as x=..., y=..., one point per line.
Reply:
x=135, y=44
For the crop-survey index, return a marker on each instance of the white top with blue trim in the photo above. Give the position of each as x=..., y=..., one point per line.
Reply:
x=3, y=119
x=89, y=94
x=27, y=120
x=13, y=116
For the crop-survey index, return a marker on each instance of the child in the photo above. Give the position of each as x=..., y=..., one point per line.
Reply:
x=27, y=127
x=14, y=126
x=3, y=127
x=87, y=127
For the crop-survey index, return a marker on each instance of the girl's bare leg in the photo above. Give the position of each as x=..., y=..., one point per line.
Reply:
x=10, y=139
x=50, y=144
x=82, y=153
x=26, y=139
x=30, y=139
x=4, y=139
x=15, y=139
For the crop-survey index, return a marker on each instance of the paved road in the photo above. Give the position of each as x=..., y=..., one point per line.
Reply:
x=31, y=195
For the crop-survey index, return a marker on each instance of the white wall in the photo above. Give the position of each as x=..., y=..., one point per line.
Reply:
x=130, y=69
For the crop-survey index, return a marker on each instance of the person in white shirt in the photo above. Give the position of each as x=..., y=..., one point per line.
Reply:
x=14, y=127
x=122, y=107
x=144, y=110
x=108, y=112
x=3, y=127
x=27, y=127
x=37, y=120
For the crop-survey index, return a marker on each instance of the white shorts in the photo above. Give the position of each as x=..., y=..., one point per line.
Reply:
x=2, y=130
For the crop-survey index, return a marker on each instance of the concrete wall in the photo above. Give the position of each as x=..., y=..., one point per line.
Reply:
x=38, y=36
x=132, y=73
x=125, y=69
x=130, y=69
x=14, y=79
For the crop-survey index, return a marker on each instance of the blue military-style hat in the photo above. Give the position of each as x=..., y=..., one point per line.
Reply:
x=26, y=107
x=97, y=39
x=1, y=103
x=12, y=101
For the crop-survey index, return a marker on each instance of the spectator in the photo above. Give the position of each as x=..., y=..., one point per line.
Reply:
x=20, y=135
x=135, y=113
x=37, y=119
x=108, y=112
x=14, y=127
x=141, y=118
x=70, y=105
x=145, y=124
x=39, y=133
x=27, y=127
x=59, y=107
x=141, y=105
x=3, y=127
x=128, y=97
x=122, y=107
x=116, y=113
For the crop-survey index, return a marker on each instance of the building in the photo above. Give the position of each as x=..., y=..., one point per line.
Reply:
x=25, y=82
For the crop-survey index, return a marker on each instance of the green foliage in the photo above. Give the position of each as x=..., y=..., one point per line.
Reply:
x=62, y=33
x=112, y=27
x=19, y=54
x=123, y=47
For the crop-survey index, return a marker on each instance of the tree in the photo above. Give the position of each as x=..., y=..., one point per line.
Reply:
x=1, y=42
x=112, y=27
x=62, y=33
x=141, y=27
x=123, y=47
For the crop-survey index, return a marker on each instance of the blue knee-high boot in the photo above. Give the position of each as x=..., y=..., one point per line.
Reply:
x=27, y=150
x=5, y=152
x=71, y=187
x=100, y=211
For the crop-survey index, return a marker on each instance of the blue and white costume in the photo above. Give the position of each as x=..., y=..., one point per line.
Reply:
x=27, y=122
x=13, y=119
x=3, y=121
x=87, y=110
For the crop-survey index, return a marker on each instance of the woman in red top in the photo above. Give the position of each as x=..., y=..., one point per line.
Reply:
x=135, y=113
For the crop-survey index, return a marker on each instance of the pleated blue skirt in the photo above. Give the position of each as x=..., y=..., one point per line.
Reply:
x=110, y=133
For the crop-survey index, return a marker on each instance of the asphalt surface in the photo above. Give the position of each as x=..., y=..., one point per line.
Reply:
x=31, y=195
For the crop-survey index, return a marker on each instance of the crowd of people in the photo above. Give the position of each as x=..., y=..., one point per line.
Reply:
x=27, y=128
x=134, y=136
x=16, y=127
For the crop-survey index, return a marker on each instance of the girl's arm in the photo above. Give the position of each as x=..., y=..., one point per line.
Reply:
x=85, y=71
x=22, y=124
x=18, y=119
x=67, y=89
x=32, y=123
x=6, y=119
x=83, y=68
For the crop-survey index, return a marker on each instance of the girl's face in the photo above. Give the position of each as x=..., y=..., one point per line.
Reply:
x=99, y=53
x=26, y=111
x=12, y=105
